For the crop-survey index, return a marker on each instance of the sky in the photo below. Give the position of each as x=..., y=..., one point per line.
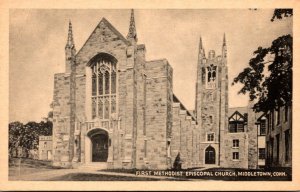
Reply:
x=37, y=38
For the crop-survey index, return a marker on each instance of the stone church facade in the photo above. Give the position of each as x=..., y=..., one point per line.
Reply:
x=112, y=107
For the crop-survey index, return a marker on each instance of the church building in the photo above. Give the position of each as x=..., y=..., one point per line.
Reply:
x=114, y=109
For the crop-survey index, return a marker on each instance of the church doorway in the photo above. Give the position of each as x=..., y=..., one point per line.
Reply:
x=210, y=155
x=99, y=147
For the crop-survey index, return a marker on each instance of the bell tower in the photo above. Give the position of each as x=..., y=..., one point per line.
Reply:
x=211, y=102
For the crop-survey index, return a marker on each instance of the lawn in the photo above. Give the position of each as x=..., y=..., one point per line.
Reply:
x=101, y=177
x=22, y=170
x=22, y=166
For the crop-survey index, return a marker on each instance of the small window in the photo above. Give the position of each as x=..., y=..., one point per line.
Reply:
x=169, y=148
x=240, y=127
x=261, y=153
x=263, y=127
x=237, y=122
x=272, y=119
x=145, y=148
x=210, y=119
x=211, y=77
x=269, y=122
x=277, y=147
x=235, y=143
x=232, y=127
x=210, y=137
x=287, y=144
x=286, y=113
x=235, y=156
x=45, y=144
x=278, y=116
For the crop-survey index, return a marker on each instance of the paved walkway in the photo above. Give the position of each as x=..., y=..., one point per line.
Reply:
x=48, y=175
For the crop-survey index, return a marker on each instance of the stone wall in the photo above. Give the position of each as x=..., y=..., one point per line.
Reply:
x=184, y=136
x=228, y=149
x=61, y=120
x=141, y=161
x=157, y=87
x=253, y=139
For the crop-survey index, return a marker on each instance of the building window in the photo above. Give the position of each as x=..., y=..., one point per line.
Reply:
x=235, y=156
x=210, y=119
x=271, y=149
x=145, y=148
x=272, y=119
x=277, y=147
x=286, y=113
x=235, y=143
x=211, y=77
x=45, y=144
x=203, y=75
x=236, y=123
x=169, y=148
x=210, y=137
x=269, y=118
x=261, y=153
x=263, y=127
x=287, y=144
x=268, y=152
x=103, y=88
x=278, y=116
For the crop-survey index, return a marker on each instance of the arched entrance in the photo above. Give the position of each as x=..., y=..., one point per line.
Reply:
x=99, y=147
x=210, y=155
x=99, y=143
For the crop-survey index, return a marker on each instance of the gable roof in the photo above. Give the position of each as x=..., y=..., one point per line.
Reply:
x=237, y=116
x=241, y=110
x=111, y=27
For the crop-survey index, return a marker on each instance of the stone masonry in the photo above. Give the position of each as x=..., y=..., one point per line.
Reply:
x=110, y=91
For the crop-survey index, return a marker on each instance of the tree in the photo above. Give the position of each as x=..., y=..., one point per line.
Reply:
x=27, y=136
x=15, y=133
x=281, y=13
x=268, y=78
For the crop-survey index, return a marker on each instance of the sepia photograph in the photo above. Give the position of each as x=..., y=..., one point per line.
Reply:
x=140, y=94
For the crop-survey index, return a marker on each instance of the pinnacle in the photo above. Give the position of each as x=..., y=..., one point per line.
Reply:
x=200, y=43
x=70, y=41
x=224, y=40
x=132, y=30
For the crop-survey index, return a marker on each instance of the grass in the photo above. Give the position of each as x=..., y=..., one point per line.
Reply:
x=27, y=166
x=100, y=177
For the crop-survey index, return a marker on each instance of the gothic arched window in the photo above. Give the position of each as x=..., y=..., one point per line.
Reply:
x=104, y=77
x=211, y=77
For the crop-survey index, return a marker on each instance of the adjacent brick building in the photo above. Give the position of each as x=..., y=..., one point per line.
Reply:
x=113, y=107
x=279, y=137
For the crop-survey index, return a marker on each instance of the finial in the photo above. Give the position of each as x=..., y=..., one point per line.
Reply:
x=224, y=40
x=132, y=31
x=224, y=47
x=70, y=41
x=200, y=43
x=201, y=48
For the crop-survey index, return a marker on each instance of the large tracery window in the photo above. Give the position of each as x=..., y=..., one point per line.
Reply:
x=211, y=77
x=103, y=88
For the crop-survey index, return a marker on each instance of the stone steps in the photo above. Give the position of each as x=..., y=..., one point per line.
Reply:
x=93, y=166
